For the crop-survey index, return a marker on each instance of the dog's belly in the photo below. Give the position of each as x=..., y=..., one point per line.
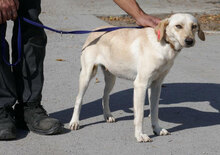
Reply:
x=121, y=70
x=125, y=73
x=120, y=63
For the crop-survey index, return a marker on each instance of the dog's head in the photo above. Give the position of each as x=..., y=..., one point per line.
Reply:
x=179, y=30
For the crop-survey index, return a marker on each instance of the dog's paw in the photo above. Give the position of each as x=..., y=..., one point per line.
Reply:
x=74, y=126
x=143, y=138
x=161, y=132
x=109, y=118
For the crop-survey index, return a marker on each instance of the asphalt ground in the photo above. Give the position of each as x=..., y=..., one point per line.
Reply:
x=189, y=104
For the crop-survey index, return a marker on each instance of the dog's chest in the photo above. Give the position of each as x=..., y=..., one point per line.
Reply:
x=162, y=64
x=162, y=69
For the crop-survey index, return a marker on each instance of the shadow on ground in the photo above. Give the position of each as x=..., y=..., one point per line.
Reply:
x=174, y=93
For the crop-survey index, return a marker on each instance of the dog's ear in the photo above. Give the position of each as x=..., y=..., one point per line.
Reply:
x=160, y=29
x=201, y=34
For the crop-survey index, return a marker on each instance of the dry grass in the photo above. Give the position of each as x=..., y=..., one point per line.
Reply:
x=208, y=21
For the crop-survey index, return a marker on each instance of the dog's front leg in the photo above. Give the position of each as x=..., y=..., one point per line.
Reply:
x=154, y=95
x=139, y=100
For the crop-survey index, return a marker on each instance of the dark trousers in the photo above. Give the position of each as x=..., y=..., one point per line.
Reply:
x=24, y=82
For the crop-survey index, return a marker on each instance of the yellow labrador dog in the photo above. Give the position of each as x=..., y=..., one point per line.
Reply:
x=144, y=56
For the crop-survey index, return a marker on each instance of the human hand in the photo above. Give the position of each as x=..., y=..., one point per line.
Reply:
x=8, y=10
x=147, y=20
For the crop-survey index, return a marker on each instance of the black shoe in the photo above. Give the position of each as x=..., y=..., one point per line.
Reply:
x=7, y=124
x=36, y=119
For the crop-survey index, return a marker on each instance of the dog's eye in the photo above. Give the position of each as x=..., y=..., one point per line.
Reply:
x=194, y=26
x=179, y=26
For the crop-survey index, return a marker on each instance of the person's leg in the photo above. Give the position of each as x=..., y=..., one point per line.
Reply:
x=29, y=72
x=7, y=91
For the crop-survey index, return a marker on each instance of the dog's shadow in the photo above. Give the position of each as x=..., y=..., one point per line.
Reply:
x=174, y=93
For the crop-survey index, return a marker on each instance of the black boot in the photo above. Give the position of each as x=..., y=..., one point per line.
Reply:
x=7, y=124
x=35, y=117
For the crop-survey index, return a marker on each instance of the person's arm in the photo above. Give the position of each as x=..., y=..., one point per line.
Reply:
x=8, y=10
x=133, y=9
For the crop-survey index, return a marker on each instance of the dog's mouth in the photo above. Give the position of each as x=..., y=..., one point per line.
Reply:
x=188, y=46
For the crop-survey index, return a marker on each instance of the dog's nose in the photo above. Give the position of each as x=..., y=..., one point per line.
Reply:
x=189, y=41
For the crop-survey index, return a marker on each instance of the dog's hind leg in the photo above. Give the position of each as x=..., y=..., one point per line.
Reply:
x=109, y=84
x=87, y=72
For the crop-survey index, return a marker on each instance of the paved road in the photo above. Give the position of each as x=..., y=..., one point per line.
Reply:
x=190, y=101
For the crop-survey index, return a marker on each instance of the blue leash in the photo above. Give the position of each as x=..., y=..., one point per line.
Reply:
x=75, y=32
x=50, y=29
